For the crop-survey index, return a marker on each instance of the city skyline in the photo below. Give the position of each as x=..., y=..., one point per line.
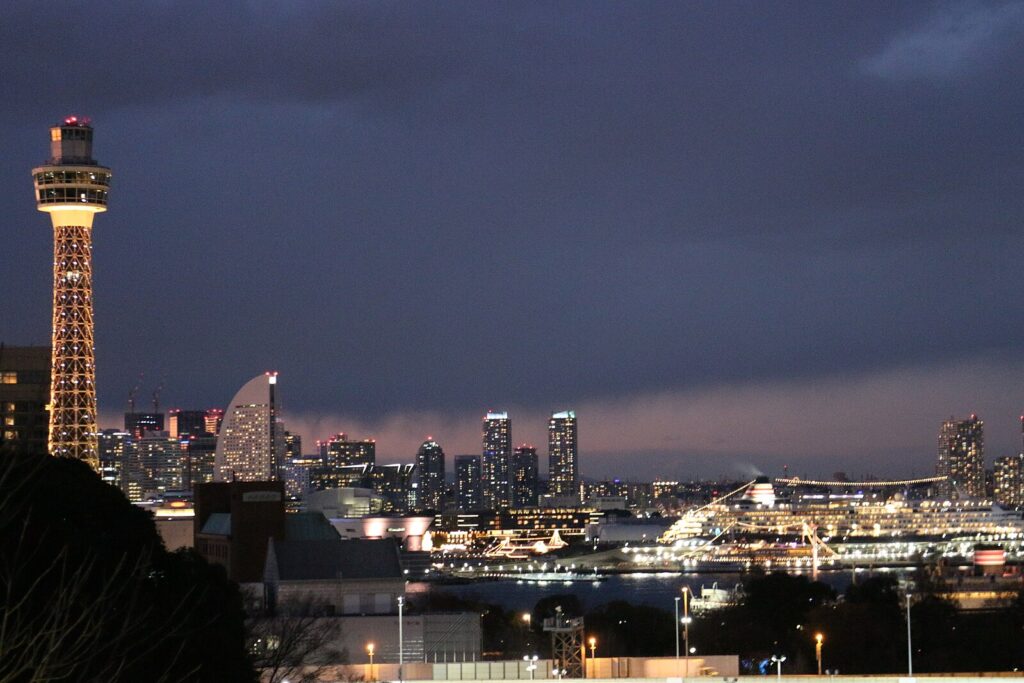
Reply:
x=700, y=249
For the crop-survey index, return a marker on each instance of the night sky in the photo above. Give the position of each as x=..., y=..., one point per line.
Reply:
x=730, y=235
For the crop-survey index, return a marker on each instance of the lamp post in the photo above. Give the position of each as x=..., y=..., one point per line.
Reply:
x=593, y=657
x=686, y=626
x=778, y=660
x=818, y=638
x=677, y=627
x=401, y=639
x=527, y=621
x=531, y=664
x=910, y=647
x=369, y=651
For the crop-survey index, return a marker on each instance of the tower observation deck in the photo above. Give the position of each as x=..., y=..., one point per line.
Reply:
x=72, y=188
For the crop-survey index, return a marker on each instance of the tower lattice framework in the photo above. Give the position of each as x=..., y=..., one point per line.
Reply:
x=72, y=188
x=73, y=428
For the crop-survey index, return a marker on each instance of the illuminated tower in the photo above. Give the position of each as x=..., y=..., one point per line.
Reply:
x=72, y=188
x=563, y=456
x=495, y=461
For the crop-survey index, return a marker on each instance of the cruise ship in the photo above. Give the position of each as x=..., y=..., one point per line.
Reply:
x=797, y=523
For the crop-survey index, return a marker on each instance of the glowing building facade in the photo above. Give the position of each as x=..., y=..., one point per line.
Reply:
x=497, y=453
x=248, y=442
x=72, y=188
x=961, y=458
x=563, y=455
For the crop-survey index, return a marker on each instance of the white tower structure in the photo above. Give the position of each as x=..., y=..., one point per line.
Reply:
x=247, y=446
x=72, y=188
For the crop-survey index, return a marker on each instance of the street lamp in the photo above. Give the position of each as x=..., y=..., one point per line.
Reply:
x=677, y=627
x=778, y=660
x=593, y=656
x=369, y=650
x=401, y=640
x=686, y=625
x=818, y=638
x=531, y=664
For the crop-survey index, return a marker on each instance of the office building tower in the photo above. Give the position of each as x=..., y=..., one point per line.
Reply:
x=24, y=395
x=113, y=451
x=214, y=418
x=339, y=451
x=200, y=455
x=497, y=453
x=468, y=483
x=292, y=446
x=138, y=424
x=297, y=480
x=247, y=443
x=524, y=476
x=429, y=476
x=1008, y=473
x=393, y=483
x=72, y=188
x=163, y=462
x=563, y=456
x=184, y=423
x=961, y=458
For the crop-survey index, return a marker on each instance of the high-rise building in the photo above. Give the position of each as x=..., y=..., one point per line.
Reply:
x=72, y=188
x=961, y=458
x=393, y=483
x=138, y=424
x=163, y=461
x=468, y=482
x=292, y=446
x=429, y=476
x=497, y=453
x=247, y=443
x=113, y=450
x=200, y=457
x=214, y=417
x=1009, y=480
x=184, y=423
x=524, y=476
x=563, y=456
x=24, y=395
x=341, y=452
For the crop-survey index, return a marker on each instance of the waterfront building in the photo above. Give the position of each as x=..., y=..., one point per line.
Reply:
x=72, y=188
x=24, y=396
x=497, y=453
x=184, y=423
x=1008, y=475
x=563, y=455
x=524, y=476
x=247, y=444
x=429, y=476
x=297, y=475
x=961, y=458
x=292, y=446
x=468, y=483
x=138, y=424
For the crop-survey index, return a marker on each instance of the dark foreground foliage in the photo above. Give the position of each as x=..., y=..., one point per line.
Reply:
x=88, y=591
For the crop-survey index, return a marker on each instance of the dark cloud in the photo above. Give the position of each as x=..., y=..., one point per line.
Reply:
x=419, y=207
